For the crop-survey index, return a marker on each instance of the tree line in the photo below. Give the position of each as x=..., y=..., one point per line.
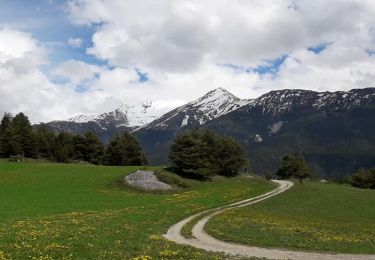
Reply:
x=198, y=154
x=18, y=137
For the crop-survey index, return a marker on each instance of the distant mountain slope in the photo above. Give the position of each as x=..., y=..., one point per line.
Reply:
x=106, y=125
x=334, y=131
x=124, y=115
x=157, y=136
x=214, y=104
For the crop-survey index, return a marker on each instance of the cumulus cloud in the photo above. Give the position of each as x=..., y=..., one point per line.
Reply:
x=180, y=35
x=19, y=52
x=183, y=45
x=77, y=71
x=24, y=87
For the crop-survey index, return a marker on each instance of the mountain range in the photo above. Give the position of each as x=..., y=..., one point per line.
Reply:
x=106, y=125
x=334, y=131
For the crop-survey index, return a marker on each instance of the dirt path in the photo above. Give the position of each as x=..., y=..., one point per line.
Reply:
x=204, y=241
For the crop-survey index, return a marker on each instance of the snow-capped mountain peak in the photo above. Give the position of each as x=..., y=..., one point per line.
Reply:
x=213, y=95
x=124, y=115
x=278, y=102
x=215, y=103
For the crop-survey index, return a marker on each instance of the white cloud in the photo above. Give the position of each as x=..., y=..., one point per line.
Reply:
x=15, y=44
x=77, y=71
x=182, y=45
x=180, y=35
x=179, y=44
x=24, y=88
x=75, y=42
x=19, y=52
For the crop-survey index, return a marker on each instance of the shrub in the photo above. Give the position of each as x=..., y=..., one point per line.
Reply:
x=293, y=167
x=364, y=178
x=268, y=177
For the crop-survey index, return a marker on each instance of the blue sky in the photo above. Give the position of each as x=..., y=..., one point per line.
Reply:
x=48, y=22
x=103, y=53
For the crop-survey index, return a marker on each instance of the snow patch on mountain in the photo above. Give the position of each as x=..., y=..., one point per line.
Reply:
x=185, y=121
x=82, y=118
x=275, y=128
x=124, y=115
x=139, y=115
x=276, y=103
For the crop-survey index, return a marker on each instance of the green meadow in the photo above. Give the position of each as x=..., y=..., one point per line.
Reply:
x=311, y=216
x=74, y=211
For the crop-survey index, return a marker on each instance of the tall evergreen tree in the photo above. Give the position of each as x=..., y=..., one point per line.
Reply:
x=133, y=153
x=114, y=152
x=89, y=148
x=230, y=157
x=79, y=147
x=95, y=148
x=188, y=155
x=25, y=141
x=293, y=167
x=46, y=141
x=63, y=147
x=205, y=154
x=124, y=151
x=6, y=136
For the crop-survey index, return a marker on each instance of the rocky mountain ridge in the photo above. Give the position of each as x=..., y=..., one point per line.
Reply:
x=334, y=131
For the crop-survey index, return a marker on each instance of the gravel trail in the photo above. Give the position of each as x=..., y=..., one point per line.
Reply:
x=204, y=241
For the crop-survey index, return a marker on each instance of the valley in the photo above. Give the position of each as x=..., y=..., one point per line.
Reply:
x=187, y=130
x=70, y=211
x=334, y=131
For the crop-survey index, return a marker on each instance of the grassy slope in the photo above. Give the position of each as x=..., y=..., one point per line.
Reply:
x=311, y=216
x=80, y=211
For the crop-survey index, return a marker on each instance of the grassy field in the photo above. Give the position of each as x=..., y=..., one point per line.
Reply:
x=311, y=216
x=60, y=211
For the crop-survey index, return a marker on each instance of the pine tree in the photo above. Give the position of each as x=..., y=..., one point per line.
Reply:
x=293, y=167
x=230, y=157
x=114, y=152
x=93, y=148
x=6, y=136
x=124, y=151
x=133, y=154
x=63, y=147
x=79, y=148
x=46, y=141
x=205, y=154
x=24, y=140
x=189, y=156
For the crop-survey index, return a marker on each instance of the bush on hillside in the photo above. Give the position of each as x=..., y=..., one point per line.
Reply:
x=364, y=178
x=293, y=167
x=205, y=154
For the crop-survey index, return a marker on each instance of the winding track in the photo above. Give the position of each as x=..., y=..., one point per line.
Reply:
x=204, y=241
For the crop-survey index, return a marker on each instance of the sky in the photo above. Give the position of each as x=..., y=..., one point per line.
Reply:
x=62, y=58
